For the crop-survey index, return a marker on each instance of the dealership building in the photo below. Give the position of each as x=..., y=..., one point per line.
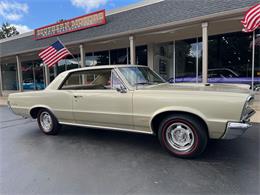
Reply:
x=183, y=41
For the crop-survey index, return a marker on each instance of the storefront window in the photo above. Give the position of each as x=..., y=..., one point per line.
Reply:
x=39, y=75
x=32, y=74
x=90, y=59
x=101, y=58
x=187, y=60
x=141, y=55
x=66, y=64
x=9, y=76
x=163, y=60
x=28, y=76
x=118, y=56
x=230, y=58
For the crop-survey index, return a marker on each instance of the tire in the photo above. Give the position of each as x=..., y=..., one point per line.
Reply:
x=47, y=122
x=183, y=135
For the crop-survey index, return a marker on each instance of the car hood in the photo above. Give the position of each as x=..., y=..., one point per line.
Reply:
x=233, y=88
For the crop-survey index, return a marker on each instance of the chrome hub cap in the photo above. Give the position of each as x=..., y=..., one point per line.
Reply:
x=46, y=121
x=180, y=136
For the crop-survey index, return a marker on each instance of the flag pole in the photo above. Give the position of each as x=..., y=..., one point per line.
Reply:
x=253, y=61
x=68, y=50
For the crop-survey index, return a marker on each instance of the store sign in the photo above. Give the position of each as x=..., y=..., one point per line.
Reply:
x=75, y=24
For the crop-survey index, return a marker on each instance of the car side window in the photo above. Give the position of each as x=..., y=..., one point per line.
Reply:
x=88, y=80
x=92, y=80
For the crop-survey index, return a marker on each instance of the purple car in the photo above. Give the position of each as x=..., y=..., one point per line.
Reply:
x=223, y=75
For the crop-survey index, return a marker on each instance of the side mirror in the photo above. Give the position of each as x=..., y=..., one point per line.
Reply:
x=121, y=89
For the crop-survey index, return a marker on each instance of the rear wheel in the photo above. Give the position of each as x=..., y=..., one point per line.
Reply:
x=183, y=135
x=47, y=122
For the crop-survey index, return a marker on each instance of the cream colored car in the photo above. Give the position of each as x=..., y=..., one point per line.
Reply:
x=134, y=98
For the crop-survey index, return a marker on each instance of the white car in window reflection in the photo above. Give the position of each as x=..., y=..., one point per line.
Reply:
x=221, y=75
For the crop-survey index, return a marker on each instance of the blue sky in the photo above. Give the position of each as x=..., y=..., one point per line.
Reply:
x=30, y=14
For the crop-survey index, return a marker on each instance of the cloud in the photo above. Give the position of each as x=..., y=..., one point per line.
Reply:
x=21, y=28
x=12, y=10
x=89, y=5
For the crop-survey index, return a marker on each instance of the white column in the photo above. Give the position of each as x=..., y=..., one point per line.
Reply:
x=150, y=48
x=55, y=70
x=132, y=50
x=253, y=62
x=82, y=56
x=1, y=81
x=19, y=73
x=205, y=52
x=47, y=75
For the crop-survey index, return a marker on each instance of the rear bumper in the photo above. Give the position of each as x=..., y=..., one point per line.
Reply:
x=9, y=106
x=235, y=130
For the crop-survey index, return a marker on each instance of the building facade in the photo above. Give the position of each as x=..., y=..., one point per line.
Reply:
x=183, y=41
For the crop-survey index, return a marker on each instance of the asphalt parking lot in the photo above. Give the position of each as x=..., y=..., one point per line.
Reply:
x=87, y=161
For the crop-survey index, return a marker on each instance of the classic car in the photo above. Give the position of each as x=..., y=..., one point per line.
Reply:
x=136, y=99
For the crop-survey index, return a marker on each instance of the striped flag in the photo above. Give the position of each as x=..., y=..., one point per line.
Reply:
x=54, y=53
x=251, y=20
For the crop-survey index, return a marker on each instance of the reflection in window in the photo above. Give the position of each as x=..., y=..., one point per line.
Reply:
x=28, y=76
x=230, y=58
x=97, y=58
x=101, y=58
x=68, y=63
x=188, y=62
x=141, y=55
x=163, y=60
x=118, y=56
x=33, y=75
x=9, y=76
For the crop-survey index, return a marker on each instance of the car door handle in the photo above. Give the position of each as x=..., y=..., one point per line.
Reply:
x=78, y=96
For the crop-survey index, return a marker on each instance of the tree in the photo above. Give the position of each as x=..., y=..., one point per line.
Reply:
x=7, y=30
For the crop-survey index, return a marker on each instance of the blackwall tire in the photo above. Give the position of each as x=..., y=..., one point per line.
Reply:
x=47, y=122
x=183, y=135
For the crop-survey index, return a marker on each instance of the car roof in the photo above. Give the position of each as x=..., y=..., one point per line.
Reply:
x=103, y=67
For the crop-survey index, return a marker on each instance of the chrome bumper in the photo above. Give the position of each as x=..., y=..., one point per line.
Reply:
x=235, y=130
x=9, y=106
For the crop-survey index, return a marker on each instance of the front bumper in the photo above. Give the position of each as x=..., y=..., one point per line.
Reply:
x=235, y=130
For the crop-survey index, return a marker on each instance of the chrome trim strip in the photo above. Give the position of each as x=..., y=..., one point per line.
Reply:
x=106, y=128
x=232, y=125
x=250, y=98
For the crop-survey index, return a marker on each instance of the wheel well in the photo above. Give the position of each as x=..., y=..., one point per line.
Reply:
x=34, y=112
x=156, y=121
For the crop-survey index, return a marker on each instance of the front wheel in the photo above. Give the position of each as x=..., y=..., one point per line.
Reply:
x=183, y=135
x=47, y=122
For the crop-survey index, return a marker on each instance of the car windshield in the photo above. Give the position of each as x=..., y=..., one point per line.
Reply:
x=140, y=76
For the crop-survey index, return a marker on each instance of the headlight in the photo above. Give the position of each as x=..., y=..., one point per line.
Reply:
x=248, y=112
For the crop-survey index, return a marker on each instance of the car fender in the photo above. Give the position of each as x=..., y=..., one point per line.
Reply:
x=41, y=106
x=179, y=109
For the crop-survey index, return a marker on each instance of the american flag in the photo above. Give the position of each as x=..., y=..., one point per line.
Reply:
x=251, y=20
x=54, y=53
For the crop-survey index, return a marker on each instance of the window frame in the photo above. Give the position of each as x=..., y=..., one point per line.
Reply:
x=79, y=71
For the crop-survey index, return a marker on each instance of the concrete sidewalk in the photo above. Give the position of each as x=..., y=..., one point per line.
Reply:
x=3, y=101
x=255, y=118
